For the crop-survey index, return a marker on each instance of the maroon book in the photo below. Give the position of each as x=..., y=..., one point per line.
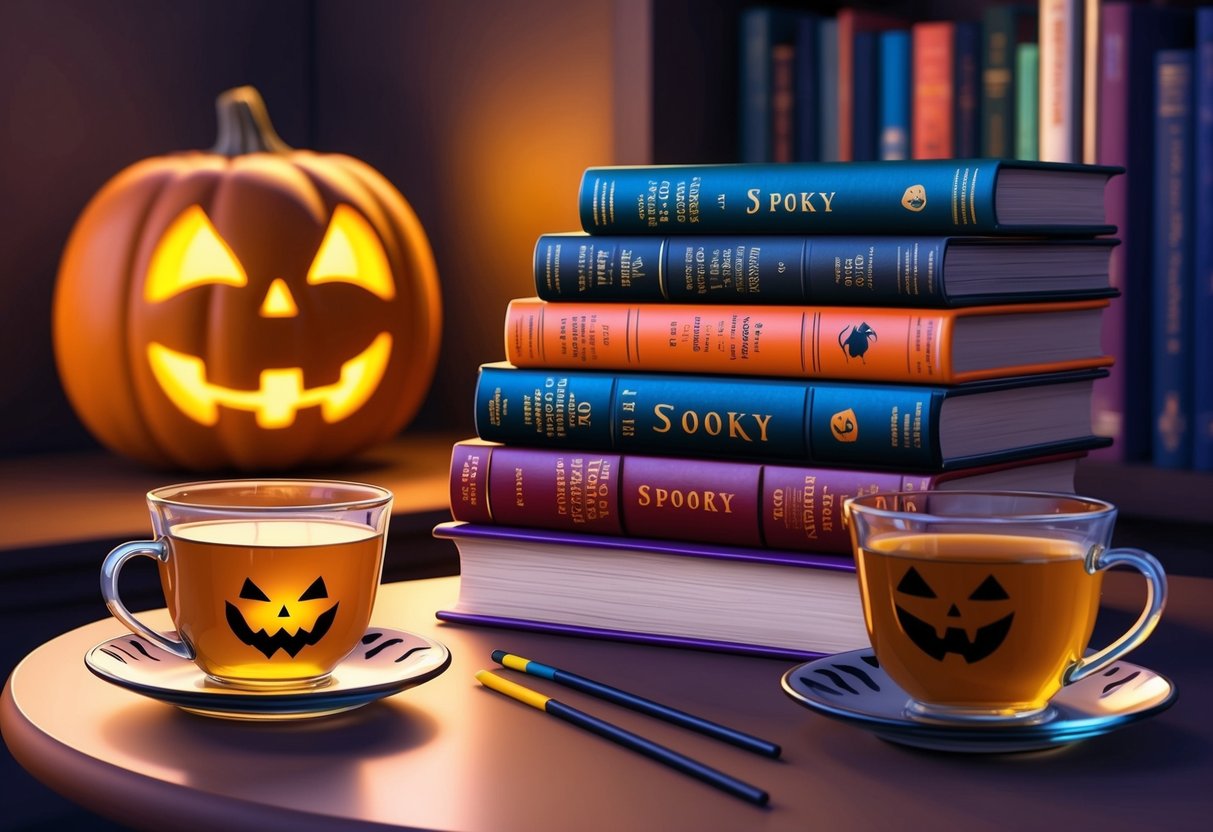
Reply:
x=796, y=508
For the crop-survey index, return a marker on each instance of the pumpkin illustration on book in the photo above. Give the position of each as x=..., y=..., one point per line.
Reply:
x=251, y=306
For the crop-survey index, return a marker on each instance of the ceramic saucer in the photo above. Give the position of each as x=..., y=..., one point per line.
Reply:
x=852, y=687
x=384, y=663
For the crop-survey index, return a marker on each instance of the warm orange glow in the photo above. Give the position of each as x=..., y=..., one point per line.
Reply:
x=281, y=393
x=279, y=303
x=190, y=253
x=351, y=253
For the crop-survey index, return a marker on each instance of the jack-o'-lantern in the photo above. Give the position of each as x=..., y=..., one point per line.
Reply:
x=973, y=626
x=288, y=624
x=251, y=306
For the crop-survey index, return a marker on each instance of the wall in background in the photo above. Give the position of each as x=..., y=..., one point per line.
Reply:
x=483, y=115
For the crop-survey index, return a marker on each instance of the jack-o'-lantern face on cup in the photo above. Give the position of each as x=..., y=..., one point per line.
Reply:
x=980, y=604
x=270, y=583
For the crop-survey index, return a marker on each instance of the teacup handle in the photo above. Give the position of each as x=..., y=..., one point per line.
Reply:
x=110, y=568
x=1156, y=598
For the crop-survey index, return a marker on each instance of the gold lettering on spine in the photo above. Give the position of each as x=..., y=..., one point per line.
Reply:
x=713, y=502
x=742, y=426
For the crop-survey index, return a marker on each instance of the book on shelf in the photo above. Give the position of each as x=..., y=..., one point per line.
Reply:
x=1131, y=33
x=1027, y=101
x=762, y=31
x=852, y=23
x=858, y=343
x=698, y=595
x=1004, y=27
x=739, y=503
x=827, y=91
x=807, y=66
x=1062, y=61
x=852, y=270
x=945, y=89
x=894, y=94
x=1202, y=299
x=1174, y=137
x=916, y=196
x=899, y=427
x=865, y=111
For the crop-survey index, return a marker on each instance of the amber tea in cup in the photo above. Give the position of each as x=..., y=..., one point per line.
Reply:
x=980, y=605
x=270, y=583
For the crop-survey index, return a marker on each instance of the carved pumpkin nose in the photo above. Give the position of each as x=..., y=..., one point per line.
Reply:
x=278, y=302
x=282, y=613
x=953, y=612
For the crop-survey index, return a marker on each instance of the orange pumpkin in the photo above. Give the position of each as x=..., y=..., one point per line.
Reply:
x=251, y=306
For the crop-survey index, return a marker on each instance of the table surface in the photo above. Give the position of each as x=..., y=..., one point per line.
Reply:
x=451, y=755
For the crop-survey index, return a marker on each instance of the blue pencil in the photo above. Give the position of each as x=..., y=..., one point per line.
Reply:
x=637, y=703
x=625, y=738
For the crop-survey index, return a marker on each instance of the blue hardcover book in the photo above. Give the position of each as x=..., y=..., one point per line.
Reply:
x=760, y=30
x=865, y=111
x=918, y=196
x=967, y=79
x=894, y=94
x=786, y=269
x=808, y=88
x=1202, y=295
x=1174, y=126
x=888, y=426
x=827, y=67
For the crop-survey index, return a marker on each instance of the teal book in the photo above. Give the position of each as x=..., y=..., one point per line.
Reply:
x=935, y=196
x=1174, y=139
x=761, y=31
x=887, y=426
x=1027, y=101
x=894, y=94
x=849, y=270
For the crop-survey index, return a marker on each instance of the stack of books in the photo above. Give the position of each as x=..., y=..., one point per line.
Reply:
x=729, y=352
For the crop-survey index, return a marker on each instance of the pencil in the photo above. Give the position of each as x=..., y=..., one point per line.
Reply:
x=635, y=742
x=637, y=703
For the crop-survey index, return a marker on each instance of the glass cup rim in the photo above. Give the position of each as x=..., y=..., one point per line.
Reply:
x=378, y=496
x=1094, y=507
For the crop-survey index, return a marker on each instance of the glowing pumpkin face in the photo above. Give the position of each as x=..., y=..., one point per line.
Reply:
x=287, y=624
x=973, y=634
x=249, y=307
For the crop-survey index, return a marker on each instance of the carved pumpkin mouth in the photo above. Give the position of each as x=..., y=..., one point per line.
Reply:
x=281, y=393
x=973, y=648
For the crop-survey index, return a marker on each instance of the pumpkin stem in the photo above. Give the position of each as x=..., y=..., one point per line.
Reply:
x=244, y=125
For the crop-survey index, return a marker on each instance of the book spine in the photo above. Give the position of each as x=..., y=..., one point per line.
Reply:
x=783, y=101
x=827, y=67
x=1003, y=29
x=895, y=70
x=1061, y=82
x=865, y=113
x=771, y=269
x=852, y=343
x=966, y=82
x=887, y=426
x=755, y=86
x=795, y=508
x=933, y=113
x=1203, y=255
x=943, y=196
x=1172, y=389
x=1027, y=101
x=807, y=86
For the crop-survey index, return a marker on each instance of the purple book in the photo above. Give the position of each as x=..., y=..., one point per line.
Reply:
x=1130, y=35
x=724, y=598
x=798, y=508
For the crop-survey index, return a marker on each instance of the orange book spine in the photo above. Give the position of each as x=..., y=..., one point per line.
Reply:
x=850, y=343
x=933, y=89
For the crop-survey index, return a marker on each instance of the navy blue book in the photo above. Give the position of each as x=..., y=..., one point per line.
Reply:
x=1174, y=126
x=827, y=87
x=967, y=129
x=894, y=94
x=886, y=426
x=807, y=110
x=1202, y=298
x=865, y=114
x=851, y=270
x=937, y=196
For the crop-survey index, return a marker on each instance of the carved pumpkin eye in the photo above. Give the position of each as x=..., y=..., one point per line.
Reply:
x=191, y=253
x=990, y=590
x=251, y=592
x=913, y=584
x=351, y=253
x=316, y=590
